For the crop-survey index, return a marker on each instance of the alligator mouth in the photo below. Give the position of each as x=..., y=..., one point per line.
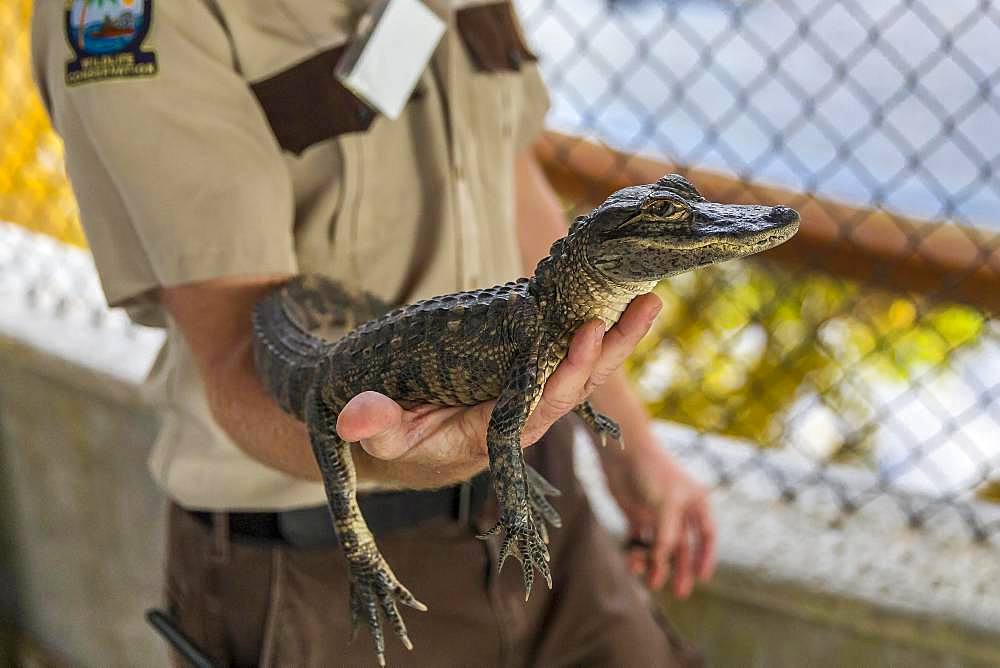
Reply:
x=763, y=243
x=770, y=240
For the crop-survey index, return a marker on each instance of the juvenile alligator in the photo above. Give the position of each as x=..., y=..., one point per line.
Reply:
x=499, y=343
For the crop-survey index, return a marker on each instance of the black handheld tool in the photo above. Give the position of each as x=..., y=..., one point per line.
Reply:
x=183, y=645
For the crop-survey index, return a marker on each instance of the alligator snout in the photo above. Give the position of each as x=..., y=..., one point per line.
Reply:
x=740, y=220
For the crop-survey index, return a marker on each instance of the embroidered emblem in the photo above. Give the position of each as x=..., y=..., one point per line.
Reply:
x=106, y=37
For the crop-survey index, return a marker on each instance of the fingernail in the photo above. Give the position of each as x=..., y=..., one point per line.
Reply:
x=597, y=336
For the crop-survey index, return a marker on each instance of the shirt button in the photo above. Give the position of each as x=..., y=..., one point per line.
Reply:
x=365, y=114
x=515, y=58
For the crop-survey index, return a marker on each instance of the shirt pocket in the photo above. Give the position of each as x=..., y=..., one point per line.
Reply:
x=306, y=104
x=395, y=204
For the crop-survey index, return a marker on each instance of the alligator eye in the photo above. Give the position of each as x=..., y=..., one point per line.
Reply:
x=661, y=206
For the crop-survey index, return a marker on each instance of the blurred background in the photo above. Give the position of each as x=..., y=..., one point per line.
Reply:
x=841, y=394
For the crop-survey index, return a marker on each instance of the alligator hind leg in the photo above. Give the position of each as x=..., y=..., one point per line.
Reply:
x=374, y=586
x=600, y=423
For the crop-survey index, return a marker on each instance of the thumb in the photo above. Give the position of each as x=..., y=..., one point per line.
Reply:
x=375, y=421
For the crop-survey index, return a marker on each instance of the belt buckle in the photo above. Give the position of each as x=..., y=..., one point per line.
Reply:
x=464, y=504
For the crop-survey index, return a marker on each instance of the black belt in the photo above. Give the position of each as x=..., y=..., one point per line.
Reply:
x=385, y=513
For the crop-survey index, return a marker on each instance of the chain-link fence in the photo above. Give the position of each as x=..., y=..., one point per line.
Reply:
x=869, y=343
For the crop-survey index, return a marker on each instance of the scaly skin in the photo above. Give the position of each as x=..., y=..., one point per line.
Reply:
x=499, y=343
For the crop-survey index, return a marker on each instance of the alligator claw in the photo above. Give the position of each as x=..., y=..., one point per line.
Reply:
x=600, y=424
x=538, y=489
x=605, y=427
x=375, y=587
x=523, y=541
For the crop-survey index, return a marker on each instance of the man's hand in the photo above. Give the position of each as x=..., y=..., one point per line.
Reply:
x=671, y=531
x=428, y=446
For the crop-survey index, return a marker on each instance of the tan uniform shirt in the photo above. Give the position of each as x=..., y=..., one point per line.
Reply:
x=217, y=143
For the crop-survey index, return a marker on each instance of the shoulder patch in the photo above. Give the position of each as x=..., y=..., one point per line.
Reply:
x=106, y=37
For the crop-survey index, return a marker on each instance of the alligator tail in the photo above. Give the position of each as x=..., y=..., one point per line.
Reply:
x=286, y=356
x=296, y=326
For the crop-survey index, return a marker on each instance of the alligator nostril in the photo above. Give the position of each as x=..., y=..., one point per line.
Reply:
x=784, y=214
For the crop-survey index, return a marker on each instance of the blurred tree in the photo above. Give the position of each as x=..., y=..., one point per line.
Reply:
x=34, y=191
x=738, y=347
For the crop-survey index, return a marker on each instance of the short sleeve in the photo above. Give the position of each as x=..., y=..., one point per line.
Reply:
x=177, y=174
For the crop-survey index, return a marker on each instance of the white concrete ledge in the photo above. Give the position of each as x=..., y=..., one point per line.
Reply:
x=50, y=298
x=868, y=572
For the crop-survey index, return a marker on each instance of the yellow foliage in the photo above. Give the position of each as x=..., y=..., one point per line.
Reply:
x=808, y=333
x=34, y=191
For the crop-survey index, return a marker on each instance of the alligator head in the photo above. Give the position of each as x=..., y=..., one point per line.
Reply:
x=648, y=232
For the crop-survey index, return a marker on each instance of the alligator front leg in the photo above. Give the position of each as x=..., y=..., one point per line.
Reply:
x=521, y=536
x=373, y=584
x=600, y=423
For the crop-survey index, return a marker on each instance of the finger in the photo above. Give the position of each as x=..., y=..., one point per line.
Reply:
x=705, y=529
x=622, y=339
x=683, y=569
x=564, y=389
x=667, y=535
x=375, y=421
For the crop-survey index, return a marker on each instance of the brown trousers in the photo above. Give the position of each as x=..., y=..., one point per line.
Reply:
x=247, y=605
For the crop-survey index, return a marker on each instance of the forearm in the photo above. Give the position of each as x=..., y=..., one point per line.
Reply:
x=257, y=425
x=617, y=399
x=214, y=318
